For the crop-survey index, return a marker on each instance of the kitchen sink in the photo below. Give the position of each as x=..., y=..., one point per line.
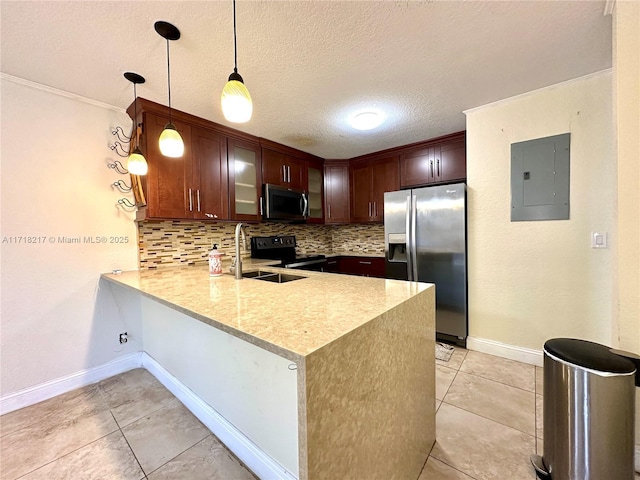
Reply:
x=271, y=277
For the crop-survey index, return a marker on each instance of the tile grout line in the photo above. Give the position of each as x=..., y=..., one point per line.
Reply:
x=176, y=456
x=502, y=383
x=129, y=445
x=65, y=455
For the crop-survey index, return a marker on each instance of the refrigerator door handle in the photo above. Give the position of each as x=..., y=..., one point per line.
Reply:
x=414, y=255
x=408, y=214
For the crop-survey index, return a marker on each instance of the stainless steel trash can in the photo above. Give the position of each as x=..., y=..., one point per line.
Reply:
x=589, y=401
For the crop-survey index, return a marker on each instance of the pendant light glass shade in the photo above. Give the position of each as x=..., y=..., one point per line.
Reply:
x=237, y=106
x=136, y=163
x=171, y=144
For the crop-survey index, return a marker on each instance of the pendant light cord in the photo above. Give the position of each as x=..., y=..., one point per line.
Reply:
x=235, y=43
x=135, y=113
x=169, y=79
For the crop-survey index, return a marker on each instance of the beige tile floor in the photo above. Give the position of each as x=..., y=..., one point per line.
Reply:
x=488, y=422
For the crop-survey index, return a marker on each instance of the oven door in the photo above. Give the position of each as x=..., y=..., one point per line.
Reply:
x=284, y=204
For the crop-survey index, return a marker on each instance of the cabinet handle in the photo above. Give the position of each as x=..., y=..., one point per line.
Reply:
x=284, y=173
x=261, y=206
x=198, y=195
x=375, y=209
x=190, y=202
x=369, y=209
x=361, y=262
x=288, y=173
x=438, y=166
x=210, y=215
x=431, y=165
x=329, y=207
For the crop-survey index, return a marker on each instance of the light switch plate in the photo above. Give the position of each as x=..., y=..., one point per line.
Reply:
x=599, y=240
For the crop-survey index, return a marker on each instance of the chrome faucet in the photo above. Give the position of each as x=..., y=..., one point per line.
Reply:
x=236, y=264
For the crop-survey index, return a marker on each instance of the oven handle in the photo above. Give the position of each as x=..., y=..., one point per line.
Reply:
x=305, y=263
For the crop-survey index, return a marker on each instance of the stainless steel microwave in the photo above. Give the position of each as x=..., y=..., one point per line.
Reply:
x=284, y=204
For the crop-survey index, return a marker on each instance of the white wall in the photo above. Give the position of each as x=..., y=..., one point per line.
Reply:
x=626, y=57
x=531, y=281
x=55, y=182
x=626, y=67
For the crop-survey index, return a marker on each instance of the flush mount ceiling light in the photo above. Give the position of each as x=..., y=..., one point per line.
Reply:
x=237, y=106
x=136, y=163
x=366, y=120
x=171, y=144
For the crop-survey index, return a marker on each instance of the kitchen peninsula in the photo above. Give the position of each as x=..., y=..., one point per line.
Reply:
x=331, y=376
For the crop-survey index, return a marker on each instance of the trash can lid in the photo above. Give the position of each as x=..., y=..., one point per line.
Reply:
x=588, y=355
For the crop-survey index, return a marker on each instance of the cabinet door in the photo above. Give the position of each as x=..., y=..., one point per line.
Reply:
x=385, y=176
x=333, y=265
x=281, y=169
x=417, y=167
x=361, y=184
x=350, y=266
x=168, y=178
x=274, y=168
x=453, y=161
x=210, y=192
x=296, y=173
x=371, y=266
x=315, y=187
x=245, y=180
x=336, y=191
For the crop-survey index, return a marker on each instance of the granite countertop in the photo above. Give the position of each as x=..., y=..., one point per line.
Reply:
x=290, y=319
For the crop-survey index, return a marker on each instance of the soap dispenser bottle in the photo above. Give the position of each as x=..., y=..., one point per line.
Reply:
x=215, y=261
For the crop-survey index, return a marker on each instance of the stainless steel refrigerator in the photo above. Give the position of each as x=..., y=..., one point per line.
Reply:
x=425, y=236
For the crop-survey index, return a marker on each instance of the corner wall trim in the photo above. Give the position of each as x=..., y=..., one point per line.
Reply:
x=511, y=352
x=255, y=458
x=44, y=391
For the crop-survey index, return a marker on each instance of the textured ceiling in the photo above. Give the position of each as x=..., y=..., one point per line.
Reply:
x=311, y=64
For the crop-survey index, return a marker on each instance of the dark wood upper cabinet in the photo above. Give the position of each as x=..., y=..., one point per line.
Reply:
x=193, y=186
x=221, y=173
x=282, y=169
x=336, y=191
x=245, y=180
x=417, y=167
x=453, y=156
x=189, y=186
x=209, y=195
x=167, y=179
x=370, y=179
x=441, y=160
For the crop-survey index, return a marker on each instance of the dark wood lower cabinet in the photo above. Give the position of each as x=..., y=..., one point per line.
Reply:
x=363, y=266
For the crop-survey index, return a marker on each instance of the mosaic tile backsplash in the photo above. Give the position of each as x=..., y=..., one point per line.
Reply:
x=171, y=243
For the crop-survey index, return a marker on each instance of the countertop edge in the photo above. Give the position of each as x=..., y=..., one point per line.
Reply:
x=270, y=347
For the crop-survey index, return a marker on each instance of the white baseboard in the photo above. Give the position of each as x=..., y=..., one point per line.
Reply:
x=255, y=458
x=504, y=350
x=44, y=391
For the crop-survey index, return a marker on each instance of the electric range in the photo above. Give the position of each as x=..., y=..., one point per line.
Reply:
x=283, y=248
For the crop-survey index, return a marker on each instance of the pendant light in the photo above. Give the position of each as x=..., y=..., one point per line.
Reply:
x=236, y=101
x=136, y=163
x=171, y=144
